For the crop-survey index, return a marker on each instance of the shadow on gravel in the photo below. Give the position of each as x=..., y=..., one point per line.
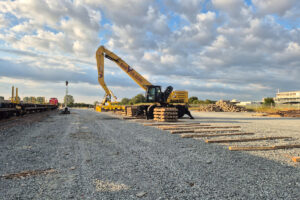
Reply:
x=109, y=118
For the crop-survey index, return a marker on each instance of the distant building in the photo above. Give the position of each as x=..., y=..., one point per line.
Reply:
x=247, y=103
x=1, y=98
x=234, y=101
x=40, y=100
x=287, y=97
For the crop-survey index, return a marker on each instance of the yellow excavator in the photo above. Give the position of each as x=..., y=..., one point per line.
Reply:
x=108, y=105
x=155, y=97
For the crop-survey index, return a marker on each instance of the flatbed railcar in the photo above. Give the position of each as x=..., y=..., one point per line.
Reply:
x=8, y=109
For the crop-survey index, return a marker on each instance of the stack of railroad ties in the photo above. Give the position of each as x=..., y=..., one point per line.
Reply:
x=130, y=111
x=198, y=130
x=165, y=114
x=161, y=114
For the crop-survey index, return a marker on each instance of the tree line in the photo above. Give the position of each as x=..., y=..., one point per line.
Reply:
x=140, y=98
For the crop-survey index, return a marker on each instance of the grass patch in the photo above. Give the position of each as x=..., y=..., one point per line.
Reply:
x=268, y=109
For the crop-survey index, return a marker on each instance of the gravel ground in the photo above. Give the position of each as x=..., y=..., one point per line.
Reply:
x=262, y=127
x=96, y=156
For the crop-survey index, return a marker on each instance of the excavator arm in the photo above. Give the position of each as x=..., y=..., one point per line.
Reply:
x=103, y=52
x=107, y=97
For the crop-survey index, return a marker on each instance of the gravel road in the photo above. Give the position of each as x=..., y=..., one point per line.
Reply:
x=96, y=156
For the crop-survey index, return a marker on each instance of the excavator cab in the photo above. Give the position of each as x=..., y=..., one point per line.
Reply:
x=153, y=94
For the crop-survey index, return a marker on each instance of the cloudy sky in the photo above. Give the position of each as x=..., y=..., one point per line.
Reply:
x=215, y=49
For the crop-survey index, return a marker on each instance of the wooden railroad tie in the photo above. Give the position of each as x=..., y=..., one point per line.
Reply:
x=169, y=124
x=212, y=135
x=166, y=120
x=203, y=131
x=165, y=109
x=263, y=148
x=245, y=139
x=296, y=159
x=195, y=127
x=183, y=126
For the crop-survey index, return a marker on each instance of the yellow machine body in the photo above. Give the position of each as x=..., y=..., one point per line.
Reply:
x=109, y=106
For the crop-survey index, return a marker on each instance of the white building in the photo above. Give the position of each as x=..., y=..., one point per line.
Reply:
x=287, y=97
x=249, y=103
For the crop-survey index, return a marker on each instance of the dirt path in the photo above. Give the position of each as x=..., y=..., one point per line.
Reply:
x=95, y=156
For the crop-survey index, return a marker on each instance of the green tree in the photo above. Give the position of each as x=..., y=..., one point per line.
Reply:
x=192, y=99
x=269, y=101
x=201, y=102
x=207, y=101
x=196, y=102
x=69, y=99
x=125, y=101
x=130, y=102
x=138, y=99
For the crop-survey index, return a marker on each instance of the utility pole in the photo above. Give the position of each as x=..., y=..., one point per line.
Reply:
x=66, y=102
x=66, y=110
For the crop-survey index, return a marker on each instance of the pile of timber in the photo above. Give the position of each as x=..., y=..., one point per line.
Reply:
x=289, y=113
x=210, y=108
x=119, y=112
x=131, y=111
x=227, y=106
x=165, y=114
x=124, y=112
x=221, y=106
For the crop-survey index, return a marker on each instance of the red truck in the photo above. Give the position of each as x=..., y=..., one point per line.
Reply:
x=53, y=101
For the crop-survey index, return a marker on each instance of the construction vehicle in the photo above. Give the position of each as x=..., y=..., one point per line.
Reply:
x=155, y=97
x=108, y=105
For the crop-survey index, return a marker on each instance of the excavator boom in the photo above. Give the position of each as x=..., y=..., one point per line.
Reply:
x=103, y=52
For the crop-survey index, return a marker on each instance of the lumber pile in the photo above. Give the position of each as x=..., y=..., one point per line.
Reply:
x=124, y=112
x=118, y=112
x=131, y=111
x=290, y=113
x=227, y=106
x=163, y=114
x=221, y=106
x=282, y=113
x=210, y=108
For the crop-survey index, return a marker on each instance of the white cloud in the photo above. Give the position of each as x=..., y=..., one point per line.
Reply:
x=231, y=7
x=274, y=6
x=231, y=49
x=188, y=9
x=3, y=21
x=54, y=26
